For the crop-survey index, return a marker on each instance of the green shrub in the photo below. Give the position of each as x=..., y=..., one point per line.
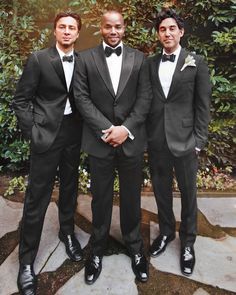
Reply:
x=19, y=36
x=210, y=31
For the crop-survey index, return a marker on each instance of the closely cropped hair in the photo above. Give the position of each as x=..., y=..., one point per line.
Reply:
x=76, y=16
x=169, y=13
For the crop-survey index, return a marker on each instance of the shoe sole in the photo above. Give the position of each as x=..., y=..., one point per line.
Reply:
x=142, y=280
x=94, y=280
x=138, y=278
x=186, y=274
x=22, y=292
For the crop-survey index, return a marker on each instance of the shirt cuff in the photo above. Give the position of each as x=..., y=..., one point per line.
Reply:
x=130, y=134
x=197, y=149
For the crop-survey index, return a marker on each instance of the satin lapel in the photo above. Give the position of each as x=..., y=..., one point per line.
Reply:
x=126, y=69
x=177, y=73
x=100, y=61
x=56, y=63
x=72, y=79
x=154, y=72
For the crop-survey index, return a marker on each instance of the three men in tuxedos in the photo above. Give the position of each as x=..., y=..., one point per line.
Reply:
x=177, y=128
x=113, y=94
x=44, y=105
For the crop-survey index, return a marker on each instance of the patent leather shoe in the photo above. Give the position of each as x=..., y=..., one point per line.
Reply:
x=72, y=246
x=187, y=260
x=140, y=267
x=93, y=268
x=159, y=245
x=26, y=280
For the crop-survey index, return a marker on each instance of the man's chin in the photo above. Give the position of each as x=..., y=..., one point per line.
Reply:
x=66, y=45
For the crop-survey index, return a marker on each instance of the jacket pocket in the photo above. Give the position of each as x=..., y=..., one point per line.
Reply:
x=187, y=122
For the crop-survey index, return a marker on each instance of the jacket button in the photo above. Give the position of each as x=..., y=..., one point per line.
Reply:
x=115, y=104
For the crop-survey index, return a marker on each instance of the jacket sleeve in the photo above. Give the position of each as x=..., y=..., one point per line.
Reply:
x=202, y=98
x=90, y=113
x=142, y=104
x=25, y=91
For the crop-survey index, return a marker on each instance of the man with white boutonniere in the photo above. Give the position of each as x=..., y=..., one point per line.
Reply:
x=177, y=128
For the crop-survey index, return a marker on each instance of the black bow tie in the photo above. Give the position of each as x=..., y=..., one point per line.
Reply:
x=166, y=57
x=109, y=51
x=68, y=58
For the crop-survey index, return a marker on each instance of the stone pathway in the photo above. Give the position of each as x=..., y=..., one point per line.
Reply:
x=215, y=270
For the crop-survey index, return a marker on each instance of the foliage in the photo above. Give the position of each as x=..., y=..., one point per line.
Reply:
x=19, y=36
x=16, y=184
x=138, y=16
x=216, y=19
x=210, y=31
x=215, y=179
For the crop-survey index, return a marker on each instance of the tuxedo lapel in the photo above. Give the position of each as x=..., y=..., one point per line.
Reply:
x=56, y=63
x=126, y=69
x=75, y=59
x=154, y=73
x=177, y=73
x=101, y=64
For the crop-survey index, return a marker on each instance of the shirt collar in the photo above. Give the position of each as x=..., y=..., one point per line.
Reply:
x=105, y=44
x=61, y=53
x=176, y=52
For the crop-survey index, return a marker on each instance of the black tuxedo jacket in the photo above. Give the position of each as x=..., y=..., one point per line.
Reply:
x=182, y=118
x=40, y=98
x=101, y=108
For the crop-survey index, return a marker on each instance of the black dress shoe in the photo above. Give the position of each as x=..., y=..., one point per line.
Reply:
x=140, y=267
x=187, y=260
x=26, y=280
x=72, y=245
x=159, y=245
x=93, y=269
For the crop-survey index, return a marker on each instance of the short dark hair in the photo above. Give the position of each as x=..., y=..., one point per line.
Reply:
x=75, y=15
x=169, y=13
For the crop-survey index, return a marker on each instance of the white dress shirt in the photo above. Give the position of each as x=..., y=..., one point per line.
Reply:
x=68, y=68
x=114, y=64
x=166, y=71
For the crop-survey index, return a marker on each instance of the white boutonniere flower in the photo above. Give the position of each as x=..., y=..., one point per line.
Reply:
x=189, y=62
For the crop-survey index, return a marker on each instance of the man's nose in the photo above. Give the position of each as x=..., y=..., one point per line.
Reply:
x=66, y=30
x=167, y=33
x=113, y=30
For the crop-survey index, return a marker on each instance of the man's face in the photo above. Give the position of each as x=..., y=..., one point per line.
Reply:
x=169, y=34
x=112, y=28
x=66, y=32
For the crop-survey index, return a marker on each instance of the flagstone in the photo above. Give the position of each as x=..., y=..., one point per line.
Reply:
x=149, y=203
x=8, y=270
x=84, y=208
x=219, y=211
x=215, y=260
x=50, y=256
x=59, y=255
x=116, y=278
x=200, y=291
x=10, y=216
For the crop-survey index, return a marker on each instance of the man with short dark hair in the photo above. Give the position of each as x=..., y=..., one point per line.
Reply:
x=177, y=128
x=112, y=91
x=44, y=106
